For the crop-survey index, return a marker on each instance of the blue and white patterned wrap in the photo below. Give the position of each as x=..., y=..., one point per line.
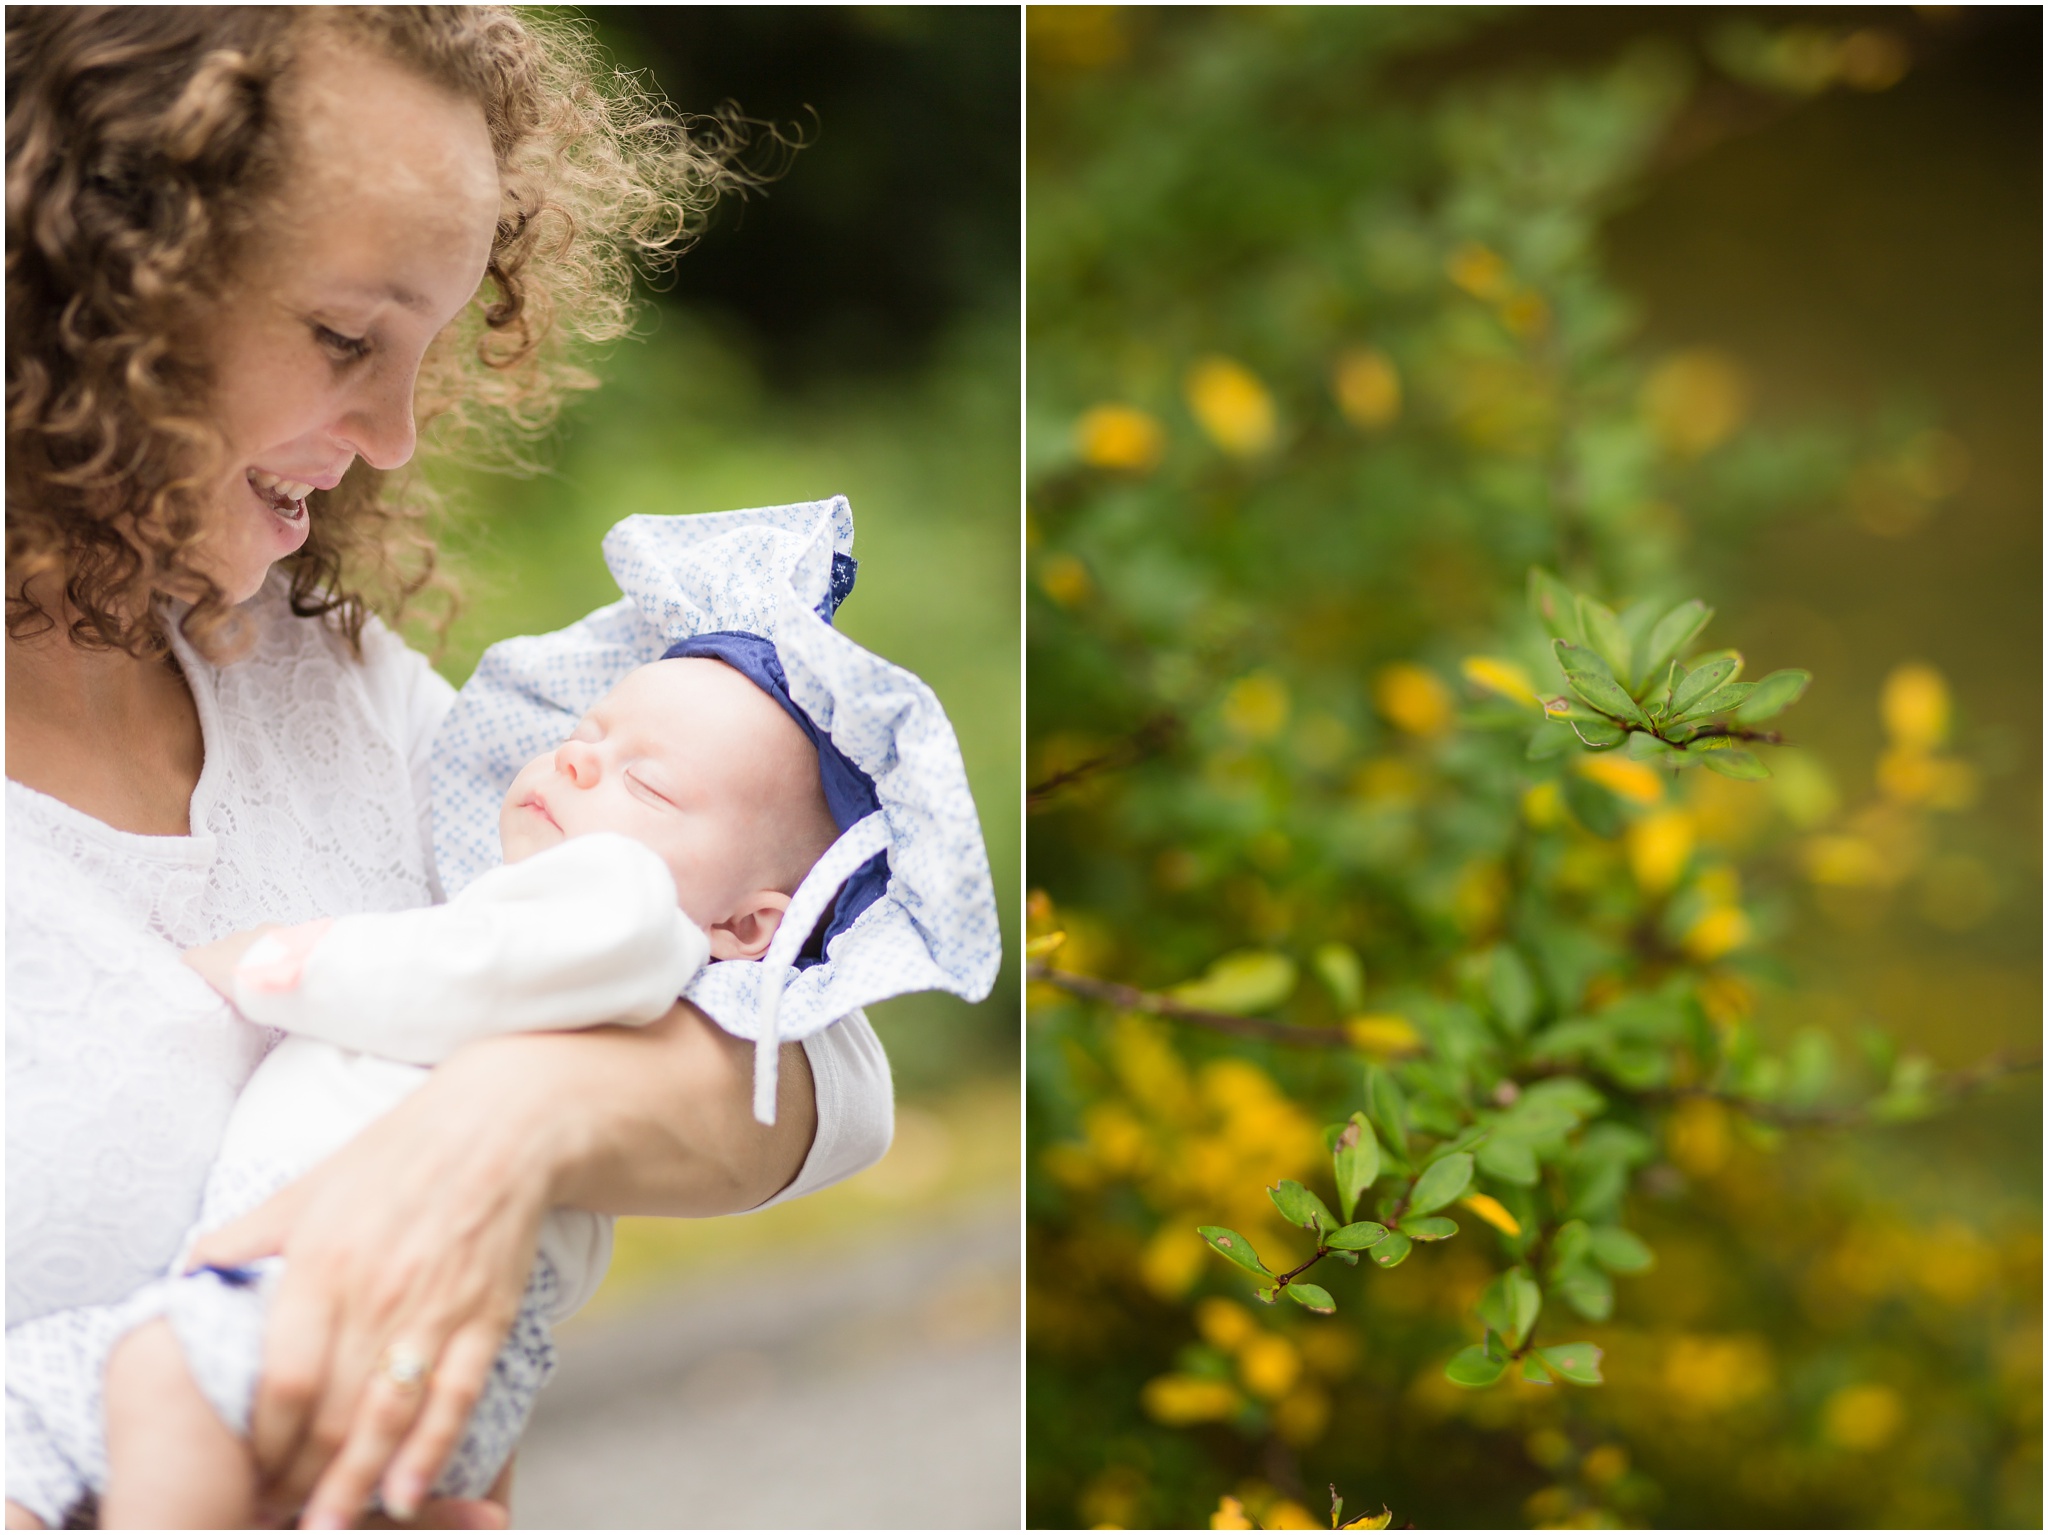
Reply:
x=765, y=571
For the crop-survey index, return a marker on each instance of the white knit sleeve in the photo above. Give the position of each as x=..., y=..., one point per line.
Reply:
x=856, y=1106
x=587, y=932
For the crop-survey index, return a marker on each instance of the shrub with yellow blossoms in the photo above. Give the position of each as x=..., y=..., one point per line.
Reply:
x=1411, y=1101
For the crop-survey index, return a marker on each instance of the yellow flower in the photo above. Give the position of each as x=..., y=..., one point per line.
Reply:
x=1846, y=861
x=1232, y=406
x=1256, y=707
x=1697, y=1135
x=1120, y=437
x=1269, y=1364
x=1368, y=388
x=1178, y=1400
x=1480, y=272
x=1658, y=847
x=1862, y=1417
x=1230, y=1515
x=1065, y=579
x=1635, y=782
x=1173, y=1260
x=1504, y=678
x=1493, y=1212
x=1543, y=804
x=1412, y=698
x=1723, y=930
x=1382, y=1034
x=1709, y=1375
x=1224, y=1323
x=1695, y=400
x=1915, y=705
x=1302, y=1415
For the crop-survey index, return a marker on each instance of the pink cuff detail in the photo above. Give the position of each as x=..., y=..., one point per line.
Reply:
x=276, y=961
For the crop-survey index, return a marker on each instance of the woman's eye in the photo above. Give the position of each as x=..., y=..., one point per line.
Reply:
x=346, y=348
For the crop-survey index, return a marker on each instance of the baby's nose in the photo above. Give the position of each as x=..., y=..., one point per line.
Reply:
x=577, y=759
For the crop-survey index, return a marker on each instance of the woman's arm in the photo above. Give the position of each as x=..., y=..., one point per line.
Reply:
x=421, y=1231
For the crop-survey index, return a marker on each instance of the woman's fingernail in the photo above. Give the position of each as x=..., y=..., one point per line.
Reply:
x=402, y=1497
x=323, y=1520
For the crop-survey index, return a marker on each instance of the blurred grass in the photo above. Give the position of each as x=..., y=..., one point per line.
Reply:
x=930, y=462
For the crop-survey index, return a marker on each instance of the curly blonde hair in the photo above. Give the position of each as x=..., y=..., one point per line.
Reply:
x=144, y=146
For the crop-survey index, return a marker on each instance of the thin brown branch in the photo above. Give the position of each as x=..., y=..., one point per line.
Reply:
x=1132, y=1000
x=1148, y=740
x=1944, y=1087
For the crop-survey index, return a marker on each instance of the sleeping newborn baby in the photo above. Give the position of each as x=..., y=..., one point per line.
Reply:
x=674, y=825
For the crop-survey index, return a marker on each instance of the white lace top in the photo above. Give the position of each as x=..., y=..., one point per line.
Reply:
x=122, y=1064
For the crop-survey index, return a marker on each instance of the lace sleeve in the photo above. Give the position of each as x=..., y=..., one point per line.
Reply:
x=412, y=699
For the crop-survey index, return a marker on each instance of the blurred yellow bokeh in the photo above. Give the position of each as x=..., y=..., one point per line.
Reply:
x=1120, y=437
x=1368, y=388
x=1412, y=698
x=1232, y=406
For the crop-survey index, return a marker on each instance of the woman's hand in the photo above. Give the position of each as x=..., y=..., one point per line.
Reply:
x=418, y=1236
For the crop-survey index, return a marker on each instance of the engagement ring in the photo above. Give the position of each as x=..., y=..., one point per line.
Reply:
x=405, y=1367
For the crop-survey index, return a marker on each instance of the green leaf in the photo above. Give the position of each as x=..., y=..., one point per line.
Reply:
x=1701, y=681
x=1597, y=735
x=1388, y=1253
x=1647, y=748
x=1300, y=1207
x=1604, y=634
x=1389, y=1107
x=1589, y=676
x=1342, y=973
x=1674, y=631
x=1734, y=762
x=1774, y=695
x=1511, y=1304
x=1249, y=981
x=1511, y=990
x=1510, y=1159
x=1595, y=809
x=1587, y=1291
x=1572, y=1244
x=1534, y=1372
x=1474, y=1367
x=1659, y=703
x=1441, y=1182
x=1576, y=1362
x=1234, y=1247
x=1429, y=1228
x=1549, y=740
x=1357, y=1160
x=1312, y=1296
x=1725, y=698
x=1554, y=605
x=1356, y=1237
x=1620, y=1251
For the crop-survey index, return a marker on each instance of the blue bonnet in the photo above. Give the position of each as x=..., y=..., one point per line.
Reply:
x=907, y=883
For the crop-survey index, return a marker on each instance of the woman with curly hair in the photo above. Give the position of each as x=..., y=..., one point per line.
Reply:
x=248, y=249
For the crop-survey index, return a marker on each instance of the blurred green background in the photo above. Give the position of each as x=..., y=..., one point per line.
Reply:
x=1829, y=237
x=850, y=328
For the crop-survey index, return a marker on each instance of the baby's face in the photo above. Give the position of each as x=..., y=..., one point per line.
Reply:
x=692, y=760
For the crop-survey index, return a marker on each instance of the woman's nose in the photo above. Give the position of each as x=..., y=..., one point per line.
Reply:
x=379, y=424
x=577, y=760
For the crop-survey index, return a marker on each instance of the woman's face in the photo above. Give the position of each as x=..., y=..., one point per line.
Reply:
x=381, y=236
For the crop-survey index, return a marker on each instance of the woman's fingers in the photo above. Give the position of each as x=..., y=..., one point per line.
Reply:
x=295, y=1354
x=258, y=1234
x=391, y=1403
x=458, y=1381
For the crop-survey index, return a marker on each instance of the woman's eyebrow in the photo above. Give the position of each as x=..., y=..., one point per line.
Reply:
x=394, y=292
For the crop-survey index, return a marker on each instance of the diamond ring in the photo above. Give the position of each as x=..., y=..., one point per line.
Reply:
x=405, y=1367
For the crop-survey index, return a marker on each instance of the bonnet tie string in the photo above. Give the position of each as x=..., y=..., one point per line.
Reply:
x=856, y=845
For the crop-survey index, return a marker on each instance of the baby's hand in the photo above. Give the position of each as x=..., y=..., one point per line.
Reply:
x=217, y=961
x=269, y=958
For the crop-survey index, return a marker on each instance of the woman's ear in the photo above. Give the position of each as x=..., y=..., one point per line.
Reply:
x=747, y=934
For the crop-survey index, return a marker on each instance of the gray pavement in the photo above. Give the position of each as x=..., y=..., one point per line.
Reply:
x=870, y=1388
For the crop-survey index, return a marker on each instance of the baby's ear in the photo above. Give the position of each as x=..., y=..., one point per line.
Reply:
x=748, y=934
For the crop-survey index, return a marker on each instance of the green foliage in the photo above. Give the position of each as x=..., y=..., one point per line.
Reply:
x=1344, y=461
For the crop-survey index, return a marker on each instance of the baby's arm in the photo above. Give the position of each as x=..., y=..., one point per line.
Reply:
x=585, y=933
